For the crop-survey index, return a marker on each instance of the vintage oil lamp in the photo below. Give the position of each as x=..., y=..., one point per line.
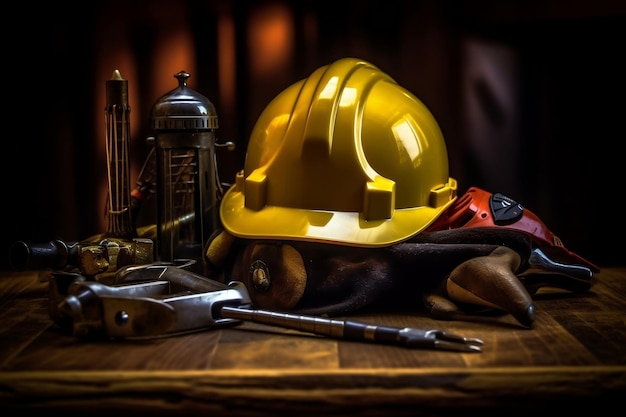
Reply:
x=187, y=185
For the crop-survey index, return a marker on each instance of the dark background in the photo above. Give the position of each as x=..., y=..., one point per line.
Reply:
x=529, y=95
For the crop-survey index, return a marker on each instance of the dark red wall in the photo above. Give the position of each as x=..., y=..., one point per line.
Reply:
x=543, y=82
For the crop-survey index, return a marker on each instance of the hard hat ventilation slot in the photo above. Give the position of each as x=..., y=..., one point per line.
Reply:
x=256, y=190
x=442, y=195
x=380, y=198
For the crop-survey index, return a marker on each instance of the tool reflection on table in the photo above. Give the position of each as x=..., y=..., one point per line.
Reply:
x=165, y=299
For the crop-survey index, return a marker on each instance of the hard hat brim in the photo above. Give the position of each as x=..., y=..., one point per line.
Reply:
x=346, y=228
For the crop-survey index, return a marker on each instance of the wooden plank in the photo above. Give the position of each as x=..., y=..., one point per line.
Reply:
x=569, y=330
x=572, y=357
x=254, y=346
x=439, y=391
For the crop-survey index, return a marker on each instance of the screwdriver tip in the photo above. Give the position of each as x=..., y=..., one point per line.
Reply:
x=457, y=347
x=474, y=341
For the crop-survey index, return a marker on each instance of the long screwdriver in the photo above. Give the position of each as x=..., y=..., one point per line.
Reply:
x=351, y=330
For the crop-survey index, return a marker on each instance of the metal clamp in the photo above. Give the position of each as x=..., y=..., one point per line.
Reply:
x=159, y=299
x=162, y=299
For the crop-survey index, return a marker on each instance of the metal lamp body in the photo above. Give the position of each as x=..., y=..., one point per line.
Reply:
x=184, y=123
x=186, y=194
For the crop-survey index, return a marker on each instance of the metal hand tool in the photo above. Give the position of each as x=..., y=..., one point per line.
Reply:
x=352, y=330
x=162, y=299
x=545, y=271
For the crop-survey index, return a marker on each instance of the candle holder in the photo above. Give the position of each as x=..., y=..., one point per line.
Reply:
x=117, y=113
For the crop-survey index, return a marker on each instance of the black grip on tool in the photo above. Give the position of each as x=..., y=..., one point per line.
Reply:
x=55, y=254
x=360, y=331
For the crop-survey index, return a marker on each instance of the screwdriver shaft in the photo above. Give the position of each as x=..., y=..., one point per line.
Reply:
x=343, y=329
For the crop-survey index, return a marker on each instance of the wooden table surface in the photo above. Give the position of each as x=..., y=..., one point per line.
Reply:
x=574, y=356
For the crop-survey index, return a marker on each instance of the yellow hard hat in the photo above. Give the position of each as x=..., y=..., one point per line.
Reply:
x=345, y=156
